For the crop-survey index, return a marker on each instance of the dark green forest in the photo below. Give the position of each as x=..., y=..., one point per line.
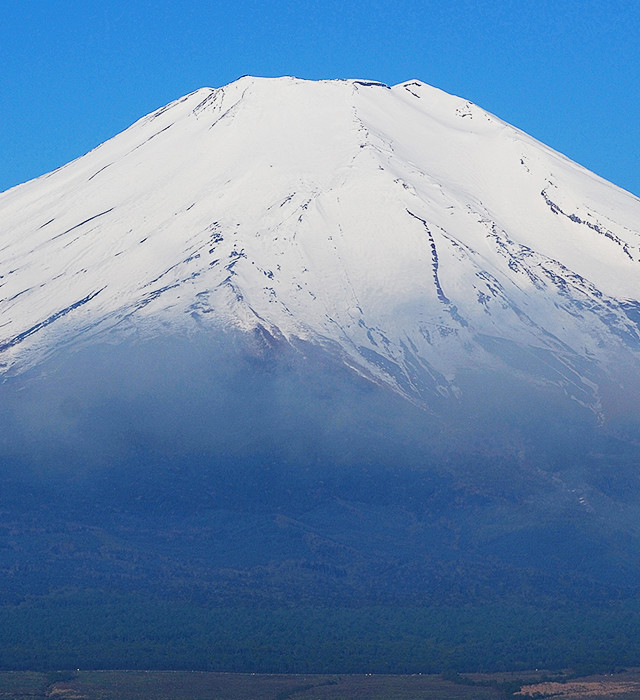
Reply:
x=97, y=629
x=420, y=576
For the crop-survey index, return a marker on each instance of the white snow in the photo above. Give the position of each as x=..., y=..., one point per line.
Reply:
x=398, y=221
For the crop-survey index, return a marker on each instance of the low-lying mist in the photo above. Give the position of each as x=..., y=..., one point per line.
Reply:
x=514, y=481
x=218, y=399
x=230, y=401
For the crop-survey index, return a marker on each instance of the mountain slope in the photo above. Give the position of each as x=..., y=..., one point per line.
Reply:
x=362, y=354
x=405, y=230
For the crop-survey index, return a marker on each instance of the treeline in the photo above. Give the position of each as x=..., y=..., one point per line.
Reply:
x=98, y=630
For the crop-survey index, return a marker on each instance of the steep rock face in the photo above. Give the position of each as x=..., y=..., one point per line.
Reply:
x=409, y=232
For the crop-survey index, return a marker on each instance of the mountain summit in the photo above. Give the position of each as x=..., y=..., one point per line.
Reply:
x=406, y=231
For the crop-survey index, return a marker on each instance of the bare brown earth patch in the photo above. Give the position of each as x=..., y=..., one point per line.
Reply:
x=583, y=689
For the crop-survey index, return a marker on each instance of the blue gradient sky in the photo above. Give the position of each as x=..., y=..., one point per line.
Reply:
x=74, y=73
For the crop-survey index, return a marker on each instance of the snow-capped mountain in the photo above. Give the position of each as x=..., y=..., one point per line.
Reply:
x=327, y=346
x=402, y=229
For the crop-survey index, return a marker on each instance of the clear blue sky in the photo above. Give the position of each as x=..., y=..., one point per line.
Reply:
x=75, y=72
